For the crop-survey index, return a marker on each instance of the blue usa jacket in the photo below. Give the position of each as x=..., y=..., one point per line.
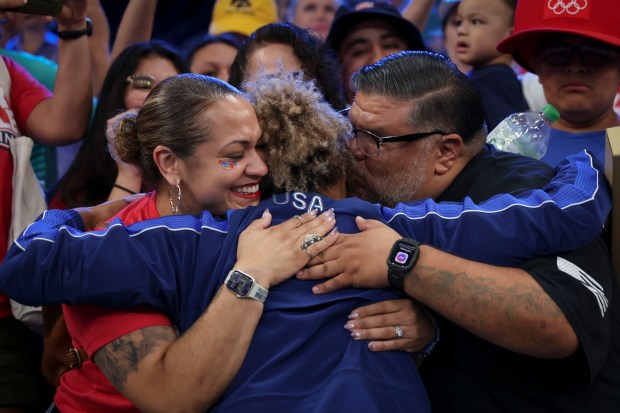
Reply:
x=176, y=264
x=155, y=262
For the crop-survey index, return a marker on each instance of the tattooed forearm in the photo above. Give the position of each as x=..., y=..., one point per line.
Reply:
x=121, y=357
x=491, y=305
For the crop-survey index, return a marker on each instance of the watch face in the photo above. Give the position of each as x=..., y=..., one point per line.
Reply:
x=240, y=283
x=402, y=254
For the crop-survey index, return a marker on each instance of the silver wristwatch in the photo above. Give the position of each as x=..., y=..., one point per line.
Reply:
x=245, y=286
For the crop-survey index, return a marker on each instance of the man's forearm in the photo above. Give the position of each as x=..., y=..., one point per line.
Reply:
x=504, y=306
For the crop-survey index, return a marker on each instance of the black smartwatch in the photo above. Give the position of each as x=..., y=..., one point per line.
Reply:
x=245, y=286
x=401, y=260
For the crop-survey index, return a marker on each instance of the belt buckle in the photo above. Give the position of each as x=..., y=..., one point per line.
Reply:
x=78, y=363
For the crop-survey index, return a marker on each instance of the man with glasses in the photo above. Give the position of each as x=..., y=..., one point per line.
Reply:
x=573, y=46
x=542, y=336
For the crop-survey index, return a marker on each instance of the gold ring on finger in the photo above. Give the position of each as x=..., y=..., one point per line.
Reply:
x=297, y=217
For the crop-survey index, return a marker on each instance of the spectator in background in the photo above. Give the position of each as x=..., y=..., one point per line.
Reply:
x=316, y=16
x=33, y=37
x=242, y=16
x=575, y=50
x=447, y=13
x=213, y=55
x=481, y=25
x=30, y=109
x=282, y=45
x=364, y=32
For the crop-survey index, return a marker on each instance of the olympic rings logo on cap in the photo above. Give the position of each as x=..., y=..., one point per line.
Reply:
x=567, y=6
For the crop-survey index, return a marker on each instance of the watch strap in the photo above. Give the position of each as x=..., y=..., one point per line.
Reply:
x=74, y=34
x=258, y=292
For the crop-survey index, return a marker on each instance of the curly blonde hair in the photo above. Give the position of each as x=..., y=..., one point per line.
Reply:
x=305, y=139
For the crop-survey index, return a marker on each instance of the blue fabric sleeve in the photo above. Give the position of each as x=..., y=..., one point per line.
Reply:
x=51, y=262
x=565, y=215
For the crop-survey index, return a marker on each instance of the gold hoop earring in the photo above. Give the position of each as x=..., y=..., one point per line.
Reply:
x=177, y=208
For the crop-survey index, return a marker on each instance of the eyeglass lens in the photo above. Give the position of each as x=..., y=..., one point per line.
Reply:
x=366, y=143
x=142, y=82
x=590, y=54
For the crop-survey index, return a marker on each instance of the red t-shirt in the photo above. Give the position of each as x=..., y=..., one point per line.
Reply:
x=86, y=389
x=26, y=93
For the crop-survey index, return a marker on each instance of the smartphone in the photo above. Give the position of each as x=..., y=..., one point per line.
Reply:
x=42, y=7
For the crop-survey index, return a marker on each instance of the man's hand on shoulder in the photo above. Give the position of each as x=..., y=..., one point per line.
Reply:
x=355, y=260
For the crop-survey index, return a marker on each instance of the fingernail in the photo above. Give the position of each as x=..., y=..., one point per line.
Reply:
x=299, y=274
x=349, y=326
x=315, y=290
x=371, y=346
x=353, y=316
x=266, y=212
x=356, y=335
x=334, y=232
x=314, y=212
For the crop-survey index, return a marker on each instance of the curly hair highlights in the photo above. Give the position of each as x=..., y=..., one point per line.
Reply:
x=305, y=138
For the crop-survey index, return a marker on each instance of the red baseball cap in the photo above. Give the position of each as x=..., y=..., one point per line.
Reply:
x=595, y=19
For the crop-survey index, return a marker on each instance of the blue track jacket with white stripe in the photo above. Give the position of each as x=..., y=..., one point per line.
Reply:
x=150, y=262
x=300, y=359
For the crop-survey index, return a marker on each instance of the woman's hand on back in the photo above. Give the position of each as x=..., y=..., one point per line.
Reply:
x=274, y=254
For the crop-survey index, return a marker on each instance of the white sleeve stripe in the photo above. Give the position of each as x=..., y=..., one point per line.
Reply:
x=455, y=214
x=590, y=283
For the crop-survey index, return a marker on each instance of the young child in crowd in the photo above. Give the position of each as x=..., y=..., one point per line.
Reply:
x=481, y=25
x=447, y=12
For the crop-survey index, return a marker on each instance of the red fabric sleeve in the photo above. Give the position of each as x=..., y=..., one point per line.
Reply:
x=26, y=92
x=93, y=327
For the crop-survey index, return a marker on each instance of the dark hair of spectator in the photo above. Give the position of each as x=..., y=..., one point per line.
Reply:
x=91, y=176
x=318, y=61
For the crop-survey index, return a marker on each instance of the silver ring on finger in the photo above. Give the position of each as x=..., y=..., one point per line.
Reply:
x=310, y=239
x=399, y=332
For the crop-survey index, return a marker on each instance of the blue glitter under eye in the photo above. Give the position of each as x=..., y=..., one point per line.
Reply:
x=228, y=165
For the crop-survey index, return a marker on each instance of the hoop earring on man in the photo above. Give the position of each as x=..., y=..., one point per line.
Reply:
x=177, y=208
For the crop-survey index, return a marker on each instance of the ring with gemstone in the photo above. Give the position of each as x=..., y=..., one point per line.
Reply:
x=310, y=239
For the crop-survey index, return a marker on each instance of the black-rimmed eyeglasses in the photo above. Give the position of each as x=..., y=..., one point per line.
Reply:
x=370, y=143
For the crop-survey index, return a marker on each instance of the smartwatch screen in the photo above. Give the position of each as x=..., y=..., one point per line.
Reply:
x=240, y=283
x=403, y=254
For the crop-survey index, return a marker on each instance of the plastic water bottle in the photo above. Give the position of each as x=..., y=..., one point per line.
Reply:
x=526, y=133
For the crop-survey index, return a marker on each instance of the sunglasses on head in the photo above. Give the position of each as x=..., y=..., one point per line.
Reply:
x=560, y=54
x=141, y=82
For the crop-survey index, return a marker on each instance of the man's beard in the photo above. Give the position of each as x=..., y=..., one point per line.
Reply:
x=402, y=184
